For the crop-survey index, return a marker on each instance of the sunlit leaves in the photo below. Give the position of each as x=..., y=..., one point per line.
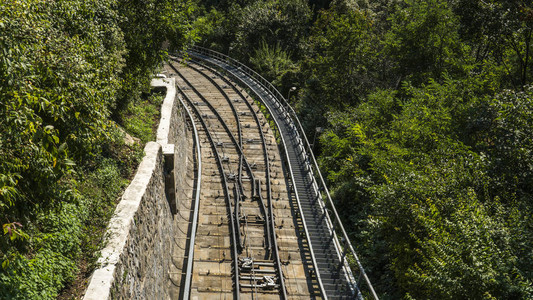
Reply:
x=63, y=64
x=145, y=27
x=437, y=205
x=48, y=88
x=14, y=231
x=274, y=22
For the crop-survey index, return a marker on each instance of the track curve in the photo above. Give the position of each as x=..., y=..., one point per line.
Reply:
x=248, y=244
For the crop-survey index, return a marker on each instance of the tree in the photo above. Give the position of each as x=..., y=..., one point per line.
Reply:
x=501, y=31
x=63, y=66
x=424, y=41
x=146, y=25
x=280, y=23
x=342, y=65
x=412, y=190
x=275, y=65
x=343, y=57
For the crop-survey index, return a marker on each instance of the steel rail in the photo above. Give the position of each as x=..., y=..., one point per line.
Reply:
x=226, y=192
x=281, y=100
x=237, y=199
x=215, y=112
x=265, y=154
x=190, y=253
x=269, y=217
x=291, y=174
x=242, y=154
x=235, y=221
x=237, y=120
x=245, y=69
x=267, y=175
x=230, y=134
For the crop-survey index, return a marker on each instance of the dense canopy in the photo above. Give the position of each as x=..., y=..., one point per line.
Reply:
x=68, y=71
x=427, y=107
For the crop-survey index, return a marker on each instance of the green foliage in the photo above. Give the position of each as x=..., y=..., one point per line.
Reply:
x=507, y=141
x=143, y=116
x=65, y=67
x=466, y=254
x=426, y=198
x=40, y=275
x=210, y=28
x=342, y=66
x=280, y=23
x=240, y=28
x=344, y=60
x=424, y=40
x=428, y=157
x=499, y=31
x=275, y=65
x=59, y=83
x=271, y=62
x=36, y=278
x=59, y=236
x=146, y=27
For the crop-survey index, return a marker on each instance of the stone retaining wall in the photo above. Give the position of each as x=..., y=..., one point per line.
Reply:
x=136, y=259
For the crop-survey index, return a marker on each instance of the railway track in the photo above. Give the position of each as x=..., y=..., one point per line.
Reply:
x=243, y=240
x=337, y=271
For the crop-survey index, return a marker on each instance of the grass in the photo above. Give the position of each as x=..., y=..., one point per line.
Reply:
x=141, y=119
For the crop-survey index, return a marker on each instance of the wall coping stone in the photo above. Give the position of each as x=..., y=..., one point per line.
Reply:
x=166, y=107
x=120, y=225
x=121, y=222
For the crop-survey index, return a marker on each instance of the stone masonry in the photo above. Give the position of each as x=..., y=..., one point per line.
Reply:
x=135, y=262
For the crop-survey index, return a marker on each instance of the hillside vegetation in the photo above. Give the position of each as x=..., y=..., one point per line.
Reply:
x=426, y=109
x=71, y=74
x=428, y=115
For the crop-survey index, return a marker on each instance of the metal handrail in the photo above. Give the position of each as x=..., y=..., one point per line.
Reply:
x=194, y=225
x=282, y=101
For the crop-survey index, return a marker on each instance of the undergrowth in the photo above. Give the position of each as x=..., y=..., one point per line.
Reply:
x=65, y=239
x=139, y=115
x=107, y=182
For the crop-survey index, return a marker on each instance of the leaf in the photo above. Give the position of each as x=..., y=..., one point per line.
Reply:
x=69, y=162
x=62, y=147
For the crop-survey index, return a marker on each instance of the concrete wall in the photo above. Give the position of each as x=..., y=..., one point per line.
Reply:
x=135, y=262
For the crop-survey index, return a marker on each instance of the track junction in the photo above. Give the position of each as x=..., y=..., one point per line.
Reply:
x=258, y=221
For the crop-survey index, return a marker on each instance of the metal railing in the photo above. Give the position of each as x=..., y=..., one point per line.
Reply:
x=318, y=181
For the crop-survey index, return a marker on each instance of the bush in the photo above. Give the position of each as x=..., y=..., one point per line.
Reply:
x=65, y=67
